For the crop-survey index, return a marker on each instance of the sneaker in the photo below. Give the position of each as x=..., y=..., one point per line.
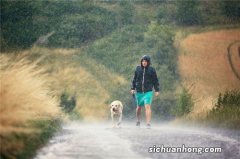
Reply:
x=148, y=126
x=138, y=123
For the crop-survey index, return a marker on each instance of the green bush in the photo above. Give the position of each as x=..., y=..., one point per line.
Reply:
x=184, y=103
x=76, y=29
x=231, y=8
x=188, y=12
x=226, y=111
x=25, y=145
x=194, y=12
x=160, y=38
x=67, y=103
x=34, y=142
x=17, y=28
x=166, y=78
x=121, y=50
x=164, y=105
x=159, y=35
x=228, y=99
x=126, y=13
x=74, y=115
x=228, y=117
x=166, y=13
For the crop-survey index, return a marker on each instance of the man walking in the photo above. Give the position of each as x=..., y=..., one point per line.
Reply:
x=144, y=80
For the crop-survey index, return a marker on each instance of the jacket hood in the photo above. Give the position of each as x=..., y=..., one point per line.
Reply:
x=147, y=58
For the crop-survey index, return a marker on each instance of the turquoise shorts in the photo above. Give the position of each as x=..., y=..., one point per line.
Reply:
x=144, y=98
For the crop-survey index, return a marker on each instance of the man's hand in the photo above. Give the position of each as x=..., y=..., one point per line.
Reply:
x=132, y=91
x=156, y=94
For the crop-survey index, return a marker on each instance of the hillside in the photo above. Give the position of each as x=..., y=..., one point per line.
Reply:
x=101, y=72
x=204, y=66
x=72, y=72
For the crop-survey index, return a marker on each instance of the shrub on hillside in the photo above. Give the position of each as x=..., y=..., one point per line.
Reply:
x=188, y=12
x=164, y=105
x=159, y=35
x=73, y=22
x=198, y=12
x=118, y=51
x=17, y=28
x=160, y=38
x=231, y=8
x=184, y=103
x=166, y=13
x=226, y=111
x=126, y=13
x=76, y=29
x=67, y=103
x=166, y=78
x=228, y=99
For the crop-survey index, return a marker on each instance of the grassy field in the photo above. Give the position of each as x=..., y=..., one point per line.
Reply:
x=204, y=67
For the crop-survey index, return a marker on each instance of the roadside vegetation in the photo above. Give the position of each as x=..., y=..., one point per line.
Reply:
x=203, y=65
x=226, y=111
x=29, y=111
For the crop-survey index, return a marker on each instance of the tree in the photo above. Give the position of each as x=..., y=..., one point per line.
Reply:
x=17, y=28
x=231, y=8
x=188, y=12
x=126, y=13
x=184, y=103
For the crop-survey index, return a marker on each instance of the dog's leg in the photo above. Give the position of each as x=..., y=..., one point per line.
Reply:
x=112, y=118
x=119, y=120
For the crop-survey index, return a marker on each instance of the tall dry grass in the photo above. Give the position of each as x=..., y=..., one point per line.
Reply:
x=91, y=95
x=203, y=64
x=73, y=72
x=24, y=99
x=24, y=95
x=86, y=79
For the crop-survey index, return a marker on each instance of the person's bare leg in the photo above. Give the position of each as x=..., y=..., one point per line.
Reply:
x=148, y=113
x=138, y=113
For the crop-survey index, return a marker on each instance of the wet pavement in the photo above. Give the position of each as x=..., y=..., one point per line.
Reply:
x=79, y=140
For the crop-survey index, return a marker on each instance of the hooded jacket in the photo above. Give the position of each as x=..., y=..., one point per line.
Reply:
x=145, y=78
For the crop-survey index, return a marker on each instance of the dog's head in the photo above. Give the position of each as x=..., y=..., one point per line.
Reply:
x=116, y=106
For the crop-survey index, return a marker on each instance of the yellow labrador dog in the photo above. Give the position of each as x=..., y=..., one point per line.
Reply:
x=116, y=108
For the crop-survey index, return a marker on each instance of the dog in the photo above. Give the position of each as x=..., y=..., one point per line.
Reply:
x=116, y=109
